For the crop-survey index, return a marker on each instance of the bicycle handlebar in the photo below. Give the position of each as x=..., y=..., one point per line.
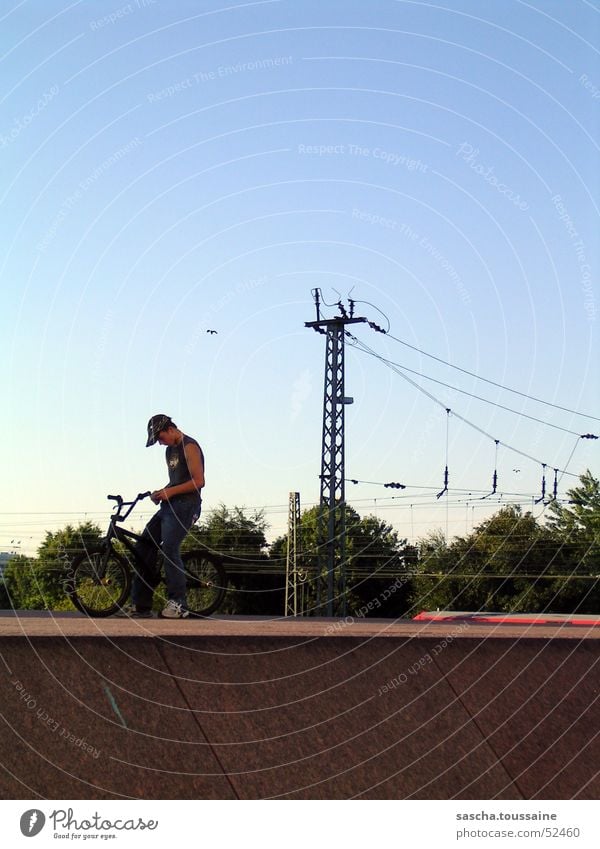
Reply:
x=138, y=497
x=131, y=504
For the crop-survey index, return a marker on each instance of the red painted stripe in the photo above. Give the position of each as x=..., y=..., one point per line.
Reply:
x=507, y=619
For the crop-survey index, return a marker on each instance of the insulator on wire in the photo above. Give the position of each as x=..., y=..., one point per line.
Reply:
x=588, y=436
x=543, y=495
x=316, y=294
x=445, y=489
x=495, y=475
x=394, y=485
x=495, y=478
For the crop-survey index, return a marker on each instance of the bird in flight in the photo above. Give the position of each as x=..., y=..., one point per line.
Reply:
x=212, y=331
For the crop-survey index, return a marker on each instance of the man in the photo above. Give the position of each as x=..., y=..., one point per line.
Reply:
x=180, y=505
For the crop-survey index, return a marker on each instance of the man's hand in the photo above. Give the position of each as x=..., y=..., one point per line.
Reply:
x=159, y=495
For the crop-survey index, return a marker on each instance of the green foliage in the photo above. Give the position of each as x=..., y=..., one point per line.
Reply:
x=19, y=583
x=375, y=559
x=69, y=541
x=241, y=538
x=37, y=583
x=229, y=531
x=513, y=563
x=578, y=524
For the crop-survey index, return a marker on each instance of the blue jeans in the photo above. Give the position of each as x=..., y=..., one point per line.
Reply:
x=165, y=531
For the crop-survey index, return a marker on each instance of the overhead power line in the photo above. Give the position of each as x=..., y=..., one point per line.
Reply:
x=466, y=371
x=359, y=345
x=480, y=398
x=491, y=382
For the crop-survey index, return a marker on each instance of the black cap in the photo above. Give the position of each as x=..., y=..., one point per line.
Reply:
x=155, y=425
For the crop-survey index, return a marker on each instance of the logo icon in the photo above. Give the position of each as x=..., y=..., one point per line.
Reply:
x=32, y=822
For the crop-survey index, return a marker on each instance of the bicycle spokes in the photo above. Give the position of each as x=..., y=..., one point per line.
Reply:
x=206, y=584
x=99, y=584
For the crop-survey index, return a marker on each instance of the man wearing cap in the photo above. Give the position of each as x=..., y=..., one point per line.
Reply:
x=180, y=505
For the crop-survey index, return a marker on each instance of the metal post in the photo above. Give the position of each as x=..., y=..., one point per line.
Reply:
x=331, y=559
x=331, y=499
x=292, y=608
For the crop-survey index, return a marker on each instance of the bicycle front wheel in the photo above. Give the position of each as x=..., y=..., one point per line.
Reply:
x=99, y=585
x=206, y=583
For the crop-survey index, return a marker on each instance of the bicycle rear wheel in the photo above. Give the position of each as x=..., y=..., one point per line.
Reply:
x=206, y=583
x=95, y=590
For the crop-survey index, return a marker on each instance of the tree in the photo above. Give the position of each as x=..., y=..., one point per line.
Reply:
x=255, y=587
x=20, y=585
x=576, y=527
x=229, y=531
x=510, y=563
x=433, y=587
x=578, y=524
x=377, y=563
x=37, y=583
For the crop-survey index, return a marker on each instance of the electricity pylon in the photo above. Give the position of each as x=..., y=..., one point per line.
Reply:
x=331, y=536
x=294, y=576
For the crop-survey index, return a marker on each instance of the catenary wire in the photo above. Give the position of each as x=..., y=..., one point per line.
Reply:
x=359, y=345
x=472, y=395
x=491, y=382
x=470, y=373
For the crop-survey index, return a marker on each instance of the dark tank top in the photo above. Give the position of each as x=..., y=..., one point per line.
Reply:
x=178, y=468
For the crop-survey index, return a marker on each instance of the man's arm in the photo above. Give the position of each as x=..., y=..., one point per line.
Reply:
x=196, y=469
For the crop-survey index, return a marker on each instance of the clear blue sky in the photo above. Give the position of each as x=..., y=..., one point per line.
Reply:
x=173, y=167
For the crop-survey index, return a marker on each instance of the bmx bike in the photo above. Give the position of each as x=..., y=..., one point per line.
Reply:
x=99, y=579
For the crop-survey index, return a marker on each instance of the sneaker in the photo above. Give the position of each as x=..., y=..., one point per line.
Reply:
x=174, y=610
x=131, y=612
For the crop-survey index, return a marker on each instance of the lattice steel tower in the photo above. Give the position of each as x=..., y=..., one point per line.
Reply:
x=295, y=576
x=331, y=552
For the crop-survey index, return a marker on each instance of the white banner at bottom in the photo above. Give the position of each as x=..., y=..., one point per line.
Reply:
x=301, y=824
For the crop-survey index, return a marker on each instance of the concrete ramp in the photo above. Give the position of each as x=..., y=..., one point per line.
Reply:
x=250, y=708
x=90, y=710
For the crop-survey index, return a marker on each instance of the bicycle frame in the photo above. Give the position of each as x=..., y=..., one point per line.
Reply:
x=121, y=534
x=205, y=576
